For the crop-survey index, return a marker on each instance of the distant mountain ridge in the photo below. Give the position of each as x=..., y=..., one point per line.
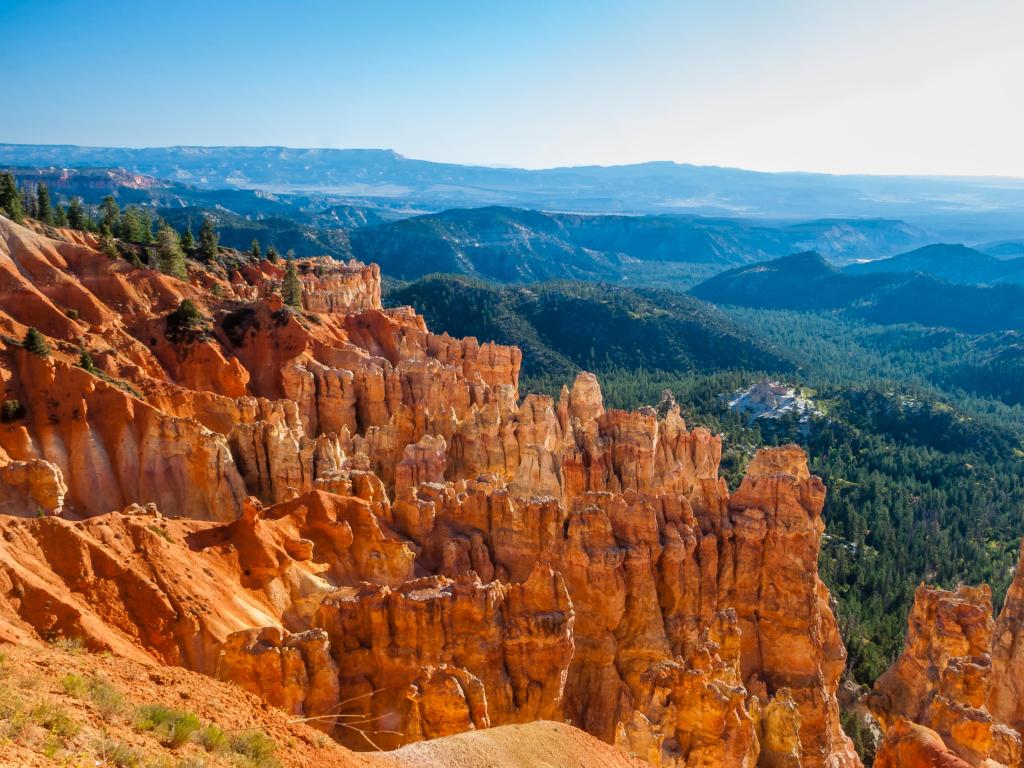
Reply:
x=513, y=245
x=955, y=263
x=806, y=282
x=654, y=187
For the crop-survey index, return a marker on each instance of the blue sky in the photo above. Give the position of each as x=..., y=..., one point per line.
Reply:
x=904, y=86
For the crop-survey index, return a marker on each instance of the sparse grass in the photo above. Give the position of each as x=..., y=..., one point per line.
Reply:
x=75, y=685
x=162, y=533
x=117, y=754
x=255, y=748
x=14, y=721
x=171, y=727
x=211, y=738
x=72, y=645
x=56, y=721
x=108, y=700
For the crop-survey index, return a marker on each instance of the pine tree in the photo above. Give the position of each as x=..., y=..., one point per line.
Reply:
x=60, y=216
x=188, y=240
x=208, y=239
x=291, y=290
x=10, y=197
x=272, y=254
x=76, y=214
x=171, y=257
x=146, y=228
x=43, y=210
x=255, y=248
x=29, y=202
x=85, y=361
x=107, y=245
x=110, y=214
x=135, y=226
x=35, y=343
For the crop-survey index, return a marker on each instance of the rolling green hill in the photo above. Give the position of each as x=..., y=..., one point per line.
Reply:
x=564, y=327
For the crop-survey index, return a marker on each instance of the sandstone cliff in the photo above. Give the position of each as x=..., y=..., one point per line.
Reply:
x=362, y=522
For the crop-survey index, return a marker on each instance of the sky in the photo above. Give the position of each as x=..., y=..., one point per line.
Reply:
x=873, y=86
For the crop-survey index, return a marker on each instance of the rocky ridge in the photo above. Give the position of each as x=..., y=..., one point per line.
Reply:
x=361, y=521
x=953, y=697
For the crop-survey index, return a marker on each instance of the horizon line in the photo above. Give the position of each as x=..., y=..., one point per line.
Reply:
x=503, y=167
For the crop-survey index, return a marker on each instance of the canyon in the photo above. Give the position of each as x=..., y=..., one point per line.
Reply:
x=368, y=526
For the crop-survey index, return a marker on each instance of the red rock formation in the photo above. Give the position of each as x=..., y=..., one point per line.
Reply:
x=1006, y=697
x=937, y=692
x=908, y=745
x=292, y=671
x=487, y=561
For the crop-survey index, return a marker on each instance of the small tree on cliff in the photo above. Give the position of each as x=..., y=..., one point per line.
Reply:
x=110, y=213
x=208, y=239
x=255, y=248
x=10, y=197
x=188, y=240
x=35, y=343
x=43, y=212
x=272, y=254
x=169, y=253
x=76, y=214
x=291, y=290
x=107, y=244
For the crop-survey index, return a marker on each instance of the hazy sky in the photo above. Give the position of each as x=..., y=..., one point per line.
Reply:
x=886, y=86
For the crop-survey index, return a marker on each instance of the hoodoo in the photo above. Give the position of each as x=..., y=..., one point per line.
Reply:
x=347, y=514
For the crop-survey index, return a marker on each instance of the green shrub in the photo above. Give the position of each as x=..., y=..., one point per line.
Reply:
x=182, y=321
x=56, y=721
x=85, y=361
x=36, y=343
x=211, y=738
x=172, y=727
x=75, y=685
x=108, y=700
x=11, y=410
x=117, y=754
x=258, y=748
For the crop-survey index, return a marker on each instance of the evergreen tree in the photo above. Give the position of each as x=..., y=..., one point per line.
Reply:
x=29, y=203
x=134, y=226
x=255, y=248
x=108, y=245
x=208, y=239
x=110, y=214
x=146, y=228
x=10, y=197
x=85, y=361
x=35, y=343
x=60, y=216
x=43, y=210
x=77, y=218
x=188, y=240
x=291, y=290
x=171, y=257
x=272, y=254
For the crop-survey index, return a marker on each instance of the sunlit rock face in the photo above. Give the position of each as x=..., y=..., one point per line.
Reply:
x=953, y=696
x=367, y=524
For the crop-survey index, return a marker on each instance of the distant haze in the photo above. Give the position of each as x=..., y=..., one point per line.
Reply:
x=879, y=86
